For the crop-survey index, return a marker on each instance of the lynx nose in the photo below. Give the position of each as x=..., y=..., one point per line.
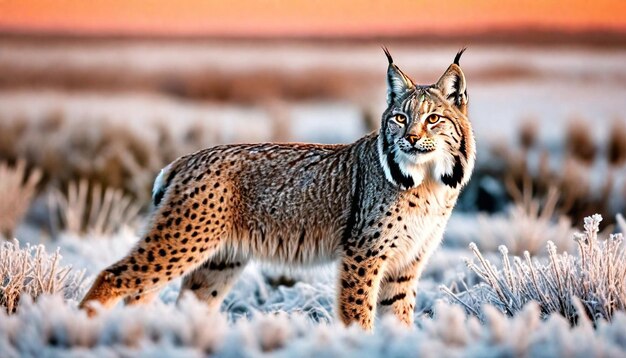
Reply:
x=412, y=138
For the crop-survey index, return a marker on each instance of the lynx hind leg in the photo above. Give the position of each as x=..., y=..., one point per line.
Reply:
x=103, y=291
x=212, y=281
x=141, y=298
x=145, y=270
x=152, y=264
x=187, y=229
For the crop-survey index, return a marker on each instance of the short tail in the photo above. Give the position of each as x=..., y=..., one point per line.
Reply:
x=161, y=183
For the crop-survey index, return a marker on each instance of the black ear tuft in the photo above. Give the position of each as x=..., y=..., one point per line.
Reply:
x=452, y=84
x=398, y=84
x=457, y=58
x=386, y=51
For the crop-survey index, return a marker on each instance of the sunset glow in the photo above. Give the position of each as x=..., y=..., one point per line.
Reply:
x=304, y=17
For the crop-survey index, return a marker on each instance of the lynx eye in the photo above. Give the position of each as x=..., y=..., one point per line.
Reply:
x=400, y=118
x=432, y=119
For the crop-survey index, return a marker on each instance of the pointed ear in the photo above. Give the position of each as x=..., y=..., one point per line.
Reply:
x=398, y=84
x=452, y=84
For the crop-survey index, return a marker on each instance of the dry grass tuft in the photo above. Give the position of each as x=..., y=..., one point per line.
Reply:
x=582, y=191
x=580, y=144
x=593, y=282
x=33, y=272
x=101, y=151
x=90, y=209
x=11, y=132
x=528, y=224
x=528, y=134
x=17, y=189
x=616, y=145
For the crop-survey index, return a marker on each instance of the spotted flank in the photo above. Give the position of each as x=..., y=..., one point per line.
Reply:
x=378, y=207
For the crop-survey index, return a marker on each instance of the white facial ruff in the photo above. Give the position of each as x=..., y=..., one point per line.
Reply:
x=417, y=172
x=435, y=164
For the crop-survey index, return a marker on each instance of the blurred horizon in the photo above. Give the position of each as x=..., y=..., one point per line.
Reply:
x=300, y=18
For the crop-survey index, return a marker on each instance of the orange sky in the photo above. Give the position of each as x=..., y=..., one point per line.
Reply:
x=304, y=17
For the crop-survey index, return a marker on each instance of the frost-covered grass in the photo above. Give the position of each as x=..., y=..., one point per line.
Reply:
x=17, y=189
x=267, y=316
x=592, y=283
x=526, y=225
x=52, y=327
x=90, y=209
x=31, y=272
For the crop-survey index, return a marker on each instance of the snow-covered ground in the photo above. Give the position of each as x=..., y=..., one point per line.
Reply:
x=262, y=318
x=53, y=329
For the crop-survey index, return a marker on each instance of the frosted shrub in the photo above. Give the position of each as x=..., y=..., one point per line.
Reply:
x=93, y=210
x=31, y=271
x=16, y=190
x=596, y=277
x=621, y=223
x=571, y=170
x=49, y=327
x=527, y=225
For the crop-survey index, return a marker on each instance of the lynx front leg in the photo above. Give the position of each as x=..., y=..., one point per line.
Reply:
x=359, y=281
x=398, y=292
x=212, y=281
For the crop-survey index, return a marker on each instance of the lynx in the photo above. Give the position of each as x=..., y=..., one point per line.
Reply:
x=379, y=206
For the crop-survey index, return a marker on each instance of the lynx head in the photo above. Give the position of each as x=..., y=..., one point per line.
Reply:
x=425, y=133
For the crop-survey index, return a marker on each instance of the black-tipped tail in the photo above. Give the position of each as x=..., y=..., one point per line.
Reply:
x=161, y=184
